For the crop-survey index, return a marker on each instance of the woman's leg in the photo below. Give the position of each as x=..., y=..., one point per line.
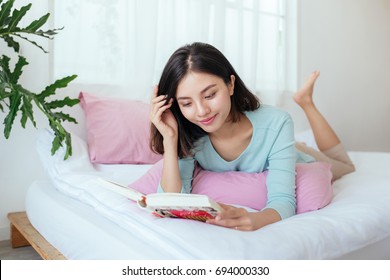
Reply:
x=337, y=157
x=324, y=135
x=331, y=149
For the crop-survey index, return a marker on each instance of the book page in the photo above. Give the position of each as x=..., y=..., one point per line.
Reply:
x=180, y=200
x=121, y=189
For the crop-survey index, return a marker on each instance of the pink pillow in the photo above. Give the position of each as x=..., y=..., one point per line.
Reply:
x=313, y=186
x=118, y=130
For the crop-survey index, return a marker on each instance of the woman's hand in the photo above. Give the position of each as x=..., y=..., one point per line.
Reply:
x=161, y=116
x=240, y=219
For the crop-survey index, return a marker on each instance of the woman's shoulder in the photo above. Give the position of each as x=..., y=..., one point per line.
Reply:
x=268, y=114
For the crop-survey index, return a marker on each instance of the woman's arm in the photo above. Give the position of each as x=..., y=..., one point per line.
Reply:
x=162, y=117
x=280, y=179
x=170, y=179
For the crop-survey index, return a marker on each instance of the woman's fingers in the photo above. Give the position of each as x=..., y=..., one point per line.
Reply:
x=231, y=212
x=160, y=111
x=232, y=217
x=156, y=102
x=159, y=99
x=159, y=106
x=161, y=116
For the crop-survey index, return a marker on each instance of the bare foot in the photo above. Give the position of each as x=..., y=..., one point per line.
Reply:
x=304, y=96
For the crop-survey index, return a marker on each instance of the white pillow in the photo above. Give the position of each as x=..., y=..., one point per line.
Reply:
x=77, y=176
x=55, y=164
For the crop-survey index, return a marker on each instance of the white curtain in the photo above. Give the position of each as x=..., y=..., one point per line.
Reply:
x=124, y=44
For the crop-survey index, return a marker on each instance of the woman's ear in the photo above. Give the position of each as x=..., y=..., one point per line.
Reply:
x=231, y=84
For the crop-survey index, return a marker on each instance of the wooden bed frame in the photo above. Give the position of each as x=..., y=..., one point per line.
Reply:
x=24, y=234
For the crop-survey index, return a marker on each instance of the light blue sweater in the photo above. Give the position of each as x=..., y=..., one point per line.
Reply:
x=271, y=148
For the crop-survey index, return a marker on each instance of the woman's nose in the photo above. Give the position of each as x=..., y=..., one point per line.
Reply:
x=202, y=109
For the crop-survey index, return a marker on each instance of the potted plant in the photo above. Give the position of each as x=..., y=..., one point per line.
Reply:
x=14, y=97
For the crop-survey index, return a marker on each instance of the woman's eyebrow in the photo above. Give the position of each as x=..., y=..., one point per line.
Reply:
x=201, y=92
x=207, y=88
x=183, y=98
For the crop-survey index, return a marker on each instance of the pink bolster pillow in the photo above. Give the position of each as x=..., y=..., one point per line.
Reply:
x=313, y=186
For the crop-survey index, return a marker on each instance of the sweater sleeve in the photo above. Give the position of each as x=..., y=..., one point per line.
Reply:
x=281, y=171
x=186, y=167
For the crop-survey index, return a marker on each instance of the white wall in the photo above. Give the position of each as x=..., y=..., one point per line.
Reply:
x=348, y=40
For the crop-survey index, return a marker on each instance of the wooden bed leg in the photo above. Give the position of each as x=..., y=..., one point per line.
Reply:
x=17, y=239
x=23, y=234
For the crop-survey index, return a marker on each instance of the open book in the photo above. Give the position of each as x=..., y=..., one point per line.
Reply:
x=170, y=205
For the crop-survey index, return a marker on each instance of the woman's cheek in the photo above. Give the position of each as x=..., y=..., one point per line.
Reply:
x=187, y=113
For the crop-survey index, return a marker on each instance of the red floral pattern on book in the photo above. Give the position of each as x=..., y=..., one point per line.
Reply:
x=191, y=214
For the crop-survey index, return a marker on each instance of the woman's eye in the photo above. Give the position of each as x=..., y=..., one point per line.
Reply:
x=186, y=104
x=210, y=95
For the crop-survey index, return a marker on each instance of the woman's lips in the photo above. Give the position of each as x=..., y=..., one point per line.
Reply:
x=207, y=121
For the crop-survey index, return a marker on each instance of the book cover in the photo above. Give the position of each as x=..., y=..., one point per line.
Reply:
x=169, y=205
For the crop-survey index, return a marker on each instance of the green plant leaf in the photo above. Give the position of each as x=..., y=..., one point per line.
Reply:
x=17, y=15
x=51, y=89
x=13, y=96
x=27, y=112
x=5, y=11
x=13, y=110
x=4, y=63
x=48, y=33
x=36, y=24
x=9, y=26
x=60, y=137
x=61, y=103
x=3, y=86
x=55, y=145
x=68, y=143
x=11, y=43
x=18, y=70
x=64, y=117
x=32, y=42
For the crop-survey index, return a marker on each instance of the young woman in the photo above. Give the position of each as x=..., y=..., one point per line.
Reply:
x=202, y=112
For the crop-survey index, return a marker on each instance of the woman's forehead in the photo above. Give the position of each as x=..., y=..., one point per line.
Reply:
x=197, y=83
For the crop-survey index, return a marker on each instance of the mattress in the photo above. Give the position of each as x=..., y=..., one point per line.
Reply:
x=86, y=221
x=80, y=233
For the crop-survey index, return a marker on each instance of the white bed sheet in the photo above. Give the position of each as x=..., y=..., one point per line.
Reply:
x=358, y=217
x=78, y=231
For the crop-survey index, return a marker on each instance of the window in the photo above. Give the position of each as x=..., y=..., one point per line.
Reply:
x=126, y=43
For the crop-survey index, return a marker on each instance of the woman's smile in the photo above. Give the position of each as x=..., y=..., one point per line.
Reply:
x=208, y=121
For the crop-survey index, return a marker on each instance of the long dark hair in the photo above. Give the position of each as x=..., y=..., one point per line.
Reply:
x=202, y=58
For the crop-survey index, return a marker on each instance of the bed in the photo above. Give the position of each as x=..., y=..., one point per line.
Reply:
x=77, y=218
x=83, y=220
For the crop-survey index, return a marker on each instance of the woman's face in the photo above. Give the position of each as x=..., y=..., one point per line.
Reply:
x=204, y=100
